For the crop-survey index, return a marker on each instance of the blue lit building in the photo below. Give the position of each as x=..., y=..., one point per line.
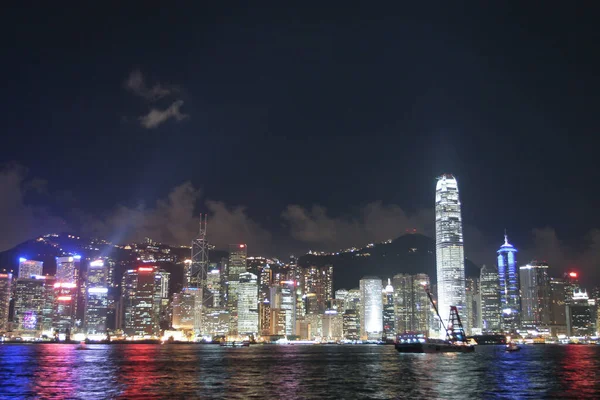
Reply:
x=508, y=276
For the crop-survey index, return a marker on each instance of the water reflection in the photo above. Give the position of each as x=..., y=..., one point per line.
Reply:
x=308, y=372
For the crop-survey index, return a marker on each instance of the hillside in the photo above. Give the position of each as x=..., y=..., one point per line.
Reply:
x=411, y=253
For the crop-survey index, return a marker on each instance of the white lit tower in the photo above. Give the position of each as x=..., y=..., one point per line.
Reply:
x=450, y=258
x=198, y=274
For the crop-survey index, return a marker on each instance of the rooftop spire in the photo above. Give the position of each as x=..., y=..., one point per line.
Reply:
x=505, y=237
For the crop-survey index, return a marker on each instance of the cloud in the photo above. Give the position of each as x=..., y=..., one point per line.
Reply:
x=377, y=222
x=173, y=220
x=156, y=117
x=22, y=221
x=136, y=84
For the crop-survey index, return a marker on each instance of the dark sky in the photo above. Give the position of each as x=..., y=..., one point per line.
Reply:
x=326, y=125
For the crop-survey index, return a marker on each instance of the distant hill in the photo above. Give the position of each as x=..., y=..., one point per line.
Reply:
x=411, y=253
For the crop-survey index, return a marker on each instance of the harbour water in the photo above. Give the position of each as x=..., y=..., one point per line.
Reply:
x=295, y=372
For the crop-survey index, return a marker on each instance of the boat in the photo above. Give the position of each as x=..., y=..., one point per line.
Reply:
x=240, y=343
x=512, y=346
x=455, y=342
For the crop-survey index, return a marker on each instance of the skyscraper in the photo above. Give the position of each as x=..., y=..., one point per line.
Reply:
x=96, y=305
x=5, y=291
x=490, y=299
x=319, y=280
x=235, y=266
x=28, y=268
x=141, y=308
x=412, y=306
x=536, y=298
x=67, y=269
x=450, y=258
x=247, y=306
x=30, y=300
x=389, y=323
x=508, y=277
x=371, y=308
x=183, y=309
x=581, y=315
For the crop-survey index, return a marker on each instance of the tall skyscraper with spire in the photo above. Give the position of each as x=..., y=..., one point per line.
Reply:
x=508, y=275
x=450, y=258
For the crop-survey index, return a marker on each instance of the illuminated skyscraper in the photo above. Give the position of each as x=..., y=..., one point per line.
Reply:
x=5, y=291
x=28, y=268
x=508, y=276
x=558, y=302
x=581, y=315
x=450, y=258
x=288, y=304
x=247, y=306
x=139, y=295
x=389, y=331
x=30, y=298
x=96, y=305
x=536, y=300
x=371, y=309
x=183, y=310
x=67, y=269
x=412, y=307
x=235, y=267
x=319, y=280
x=490, y=299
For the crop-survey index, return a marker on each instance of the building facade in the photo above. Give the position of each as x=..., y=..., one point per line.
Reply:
x=5, y=295
x=508, y=278
x=371, y=309
x=489, y=290
x=29, y=268
x=450, y=260
x=536, y=299
x=247, y=306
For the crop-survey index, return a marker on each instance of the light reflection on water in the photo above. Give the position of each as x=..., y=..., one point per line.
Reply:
x=307, y=372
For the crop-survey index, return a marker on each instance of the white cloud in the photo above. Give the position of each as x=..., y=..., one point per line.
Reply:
x=137, y=85
x=156, y=117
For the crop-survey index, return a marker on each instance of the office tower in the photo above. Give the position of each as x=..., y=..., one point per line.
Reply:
x=288, y=304
x=213, y=284
x=319, y=280
x=473, y=305
x=265, y=281
x=96, y=305
x=264, y=317
x=110, y=269
x=351, y=324
x=312, y=304
x=30, y=297
x=29, y=268
x=183, y=310
x=235, y=266
x=140, y=307
x=65, y=307
x=489, y=288
x=277, y=321
x=450, y=258
x=581, y=315
x=558, y=302
x=247, y=306
x=536, y=301
x=352, y=301
x=163, y=279
x=5, y=292
x=332, y=326
x=389, y=331
x=67, y=269
x=371, y=309
x=412, y=306
x=508, y=278
x=571, y=280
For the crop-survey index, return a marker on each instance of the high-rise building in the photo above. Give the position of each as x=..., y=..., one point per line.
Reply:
x=65, y=307
x=490, y=299
x=96, y=305
x=557, y=302
x=581, y=315
x=264, y=317
x=67, y=269
x=288, y=304
x=140, y=306
x=508, y=278
x=235, y=266
x=319, y=280
x=371, y=309
x=351, y=324
x=412, y=306
x=571, y=280
x=332, y=326
x=450, y=258
x=265, y=281
x=247, y=307
x=30, y=300
x=389, y=319
x=183, y=310
x=5, y=292
x=213, y=283
x=29, y=268
x=536, y=299
x=473, y=314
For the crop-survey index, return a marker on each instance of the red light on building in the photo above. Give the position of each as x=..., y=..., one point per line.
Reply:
x=145, y=269
x=63, y=298
x=573, y=274
x=242, y=246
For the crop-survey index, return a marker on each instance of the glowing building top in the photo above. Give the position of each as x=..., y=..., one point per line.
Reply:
x=28, y=268
x=450, y=260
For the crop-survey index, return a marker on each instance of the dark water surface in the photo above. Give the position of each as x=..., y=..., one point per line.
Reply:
x=295, y=372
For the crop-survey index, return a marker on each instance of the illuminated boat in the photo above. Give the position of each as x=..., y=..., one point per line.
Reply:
x=512, y=346
x=240, y=343
x=455, y=342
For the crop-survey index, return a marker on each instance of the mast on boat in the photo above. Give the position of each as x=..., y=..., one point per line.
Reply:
x=454, y=331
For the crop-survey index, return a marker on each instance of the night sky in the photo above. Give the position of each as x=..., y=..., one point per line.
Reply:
x=298, y=127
